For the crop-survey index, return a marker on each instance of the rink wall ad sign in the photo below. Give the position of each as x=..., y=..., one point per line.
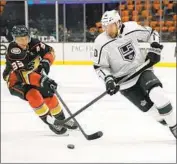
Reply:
x=81, y=53
x=47, y=39
x=3, y=50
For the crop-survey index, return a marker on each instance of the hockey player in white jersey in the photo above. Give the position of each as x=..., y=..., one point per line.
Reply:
x=117, y=54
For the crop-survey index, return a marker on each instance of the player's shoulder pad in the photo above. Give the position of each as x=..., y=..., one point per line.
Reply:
x=130, y=27
x=34, y=42
x=101, y=40
x=14, y=52
x=100, y=44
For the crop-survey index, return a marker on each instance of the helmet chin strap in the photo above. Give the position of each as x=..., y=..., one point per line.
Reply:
x=119, y=26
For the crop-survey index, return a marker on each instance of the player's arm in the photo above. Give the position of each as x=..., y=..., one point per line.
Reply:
x=10, y=75
x=143, y=33
x=15, y=81
x=102, y=68
x=147, y=34
x=101, y=63
x=7, y=71
x=47, y=54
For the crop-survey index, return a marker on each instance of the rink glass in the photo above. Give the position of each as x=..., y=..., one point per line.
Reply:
x=70, y=21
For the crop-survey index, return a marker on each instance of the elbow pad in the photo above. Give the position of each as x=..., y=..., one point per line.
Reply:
x=154, y=37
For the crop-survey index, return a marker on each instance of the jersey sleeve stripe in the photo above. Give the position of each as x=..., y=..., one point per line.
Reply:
x=136, y=31
x=102, y=72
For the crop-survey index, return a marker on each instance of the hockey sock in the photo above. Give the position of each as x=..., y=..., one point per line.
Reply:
x=157, y=95
x=153, y=111
x=54, y=106
x=36, y=101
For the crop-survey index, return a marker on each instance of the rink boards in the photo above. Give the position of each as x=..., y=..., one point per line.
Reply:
x=80, y=53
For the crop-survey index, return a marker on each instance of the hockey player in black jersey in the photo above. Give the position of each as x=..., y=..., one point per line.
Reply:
x=28, y=62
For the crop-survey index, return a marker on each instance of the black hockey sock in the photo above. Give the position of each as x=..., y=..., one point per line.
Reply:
x=60, y=116
x=44, y=118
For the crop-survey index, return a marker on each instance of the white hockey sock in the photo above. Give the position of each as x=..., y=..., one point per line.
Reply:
x=170, y=118
x=153, y=111
x=157, y=95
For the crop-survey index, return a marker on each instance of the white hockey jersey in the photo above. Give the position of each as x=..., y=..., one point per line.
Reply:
x=120, y=56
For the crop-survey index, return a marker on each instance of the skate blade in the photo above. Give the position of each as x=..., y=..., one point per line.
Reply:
x=57, y=135
x=73, y=129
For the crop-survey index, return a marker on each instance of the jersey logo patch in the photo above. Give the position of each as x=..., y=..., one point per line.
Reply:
x=127, y=51
x=15, y=50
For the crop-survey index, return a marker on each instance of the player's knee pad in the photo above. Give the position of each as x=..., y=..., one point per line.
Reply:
x=157, y=95
x=36, y=101
x=53, y=104
x=34, y=98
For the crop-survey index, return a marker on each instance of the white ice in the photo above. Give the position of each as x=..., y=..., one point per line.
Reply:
x=129, y=135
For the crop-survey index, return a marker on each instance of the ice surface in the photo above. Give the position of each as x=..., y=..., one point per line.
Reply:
x=129, y=135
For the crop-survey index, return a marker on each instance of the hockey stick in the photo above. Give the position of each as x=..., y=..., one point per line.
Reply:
x=88, y=137
x=139, y=70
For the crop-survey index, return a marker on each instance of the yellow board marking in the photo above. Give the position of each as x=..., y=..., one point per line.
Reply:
x=162, y=64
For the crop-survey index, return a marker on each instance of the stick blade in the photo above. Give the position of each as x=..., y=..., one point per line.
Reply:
x=95, y=135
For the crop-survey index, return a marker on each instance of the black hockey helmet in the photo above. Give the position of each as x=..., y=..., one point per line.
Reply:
x=19, y=31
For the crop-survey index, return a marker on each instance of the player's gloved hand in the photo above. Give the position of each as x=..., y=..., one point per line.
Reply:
x=111, y=86
x=49, y=84
x=29, y=66
x=44, y=66
x=154, y=53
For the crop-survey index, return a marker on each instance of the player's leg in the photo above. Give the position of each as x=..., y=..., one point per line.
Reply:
x=37, y=102
x=153, y=87
x=29, y=93
x=164, y=106
x=153, y=111
x=35, y=99
x=56, y=111
x=136, y=96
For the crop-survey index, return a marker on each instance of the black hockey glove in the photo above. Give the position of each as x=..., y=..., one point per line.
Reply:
x=44, y=66
x=49, y=84
x=29, y=66
x=154, y=54
x=111, y=86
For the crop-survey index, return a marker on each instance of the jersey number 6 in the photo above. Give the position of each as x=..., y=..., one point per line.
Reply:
x=17, y=64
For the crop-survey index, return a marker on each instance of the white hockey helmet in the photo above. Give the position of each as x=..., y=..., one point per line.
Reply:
x=110, y=17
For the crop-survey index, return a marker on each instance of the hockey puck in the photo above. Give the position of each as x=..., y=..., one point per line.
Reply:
x=70, y=146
